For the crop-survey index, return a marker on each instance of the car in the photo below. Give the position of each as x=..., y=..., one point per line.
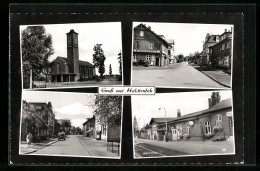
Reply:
x=135, y=63
x=61, y=135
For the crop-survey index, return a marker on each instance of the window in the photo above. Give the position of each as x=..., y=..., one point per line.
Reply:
x=141, y=33
x=137, y=45
x=188, y=129
x=228, y=45
x=219, y=120
x=58, y=68
x=151, y=46
x=135, y=58
x=148, y=58
x=207, y=127
x=223, y=46
x=38, y=107
x=231, y=121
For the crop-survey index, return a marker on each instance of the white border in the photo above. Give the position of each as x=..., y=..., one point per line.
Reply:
x=159, y=86
x=119, y=157
x=234, y=147
x=55, y=58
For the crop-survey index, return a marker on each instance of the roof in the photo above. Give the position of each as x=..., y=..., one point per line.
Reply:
x=211, y=39
x=170, y=41
x=142, y=25
x=81, y=63
x=221, y=105
x=160, y=120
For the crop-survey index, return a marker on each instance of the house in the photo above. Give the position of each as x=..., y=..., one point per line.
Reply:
x=37, y=118
x=201, y=125
x=210, y=40
x=221, y=52
x=156, y=133
x=71, y=69
x=89, y=127
x=150, y=47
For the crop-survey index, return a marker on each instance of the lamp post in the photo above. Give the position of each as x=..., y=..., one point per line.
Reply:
x=166, y=139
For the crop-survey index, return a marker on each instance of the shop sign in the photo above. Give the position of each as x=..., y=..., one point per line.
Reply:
x=149, y=51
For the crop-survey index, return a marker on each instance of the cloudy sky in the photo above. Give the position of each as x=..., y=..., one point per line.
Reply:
x=108, y=34
x=188, y=37
x=73, y=106
x=147, y=107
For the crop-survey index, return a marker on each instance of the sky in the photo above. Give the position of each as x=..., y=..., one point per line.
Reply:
x=74, y=106
x=147, y=107
x=188, y=37
x=89, y=34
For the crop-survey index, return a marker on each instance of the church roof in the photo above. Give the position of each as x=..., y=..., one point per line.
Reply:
x=81, y=63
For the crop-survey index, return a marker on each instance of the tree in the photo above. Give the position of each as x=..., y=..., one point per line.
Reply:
x=36, y=50
x=215, y=98
x=99, y=59
x=135, y=125
x=46, y=70
x=108, y=110
x=180, y=57
x=110, y=70
x=120, y=63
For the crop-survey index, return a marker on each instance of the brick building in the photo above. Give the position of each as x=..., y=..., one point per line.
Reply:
x=150, y=47
x=71, y=69
x=221, y=52
x=197, y=125
x=89, y=127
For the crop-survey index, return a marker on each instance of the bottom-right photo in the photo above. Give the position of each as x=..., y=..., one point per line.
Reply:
x=183, y=124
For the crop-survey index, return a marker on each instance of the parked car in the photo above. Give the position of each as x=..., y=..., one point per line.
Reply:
x=61, y=135
x=135, y=63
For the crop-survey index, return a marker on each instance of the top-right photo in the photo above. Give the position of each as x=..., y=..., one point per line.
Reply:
x=181, y=55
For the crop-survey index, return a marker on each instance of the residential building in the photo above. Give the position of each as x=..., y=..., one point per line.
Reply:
x=210, y=40
x=221, y=52
x=71, y=69
x=150, y=47
x=156, y=133
x=200, y=125
x=89, y=127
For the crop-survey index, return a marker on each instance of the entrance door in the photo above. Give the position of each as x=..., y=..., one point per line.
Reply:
x=157, y=62
x=174, y=134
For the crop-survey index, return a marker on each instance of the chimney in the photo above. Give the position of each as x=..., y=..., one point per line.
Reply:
x=178, y=113
x=210, y=102
x=149, y=27
x=225, y=30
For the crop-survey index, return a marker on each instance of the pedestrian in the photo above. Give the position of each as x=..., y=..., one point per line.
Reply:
x=29, y=138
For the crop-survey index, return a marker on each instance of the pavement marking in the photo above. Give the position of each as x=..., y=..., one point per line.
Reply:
x=149, y=150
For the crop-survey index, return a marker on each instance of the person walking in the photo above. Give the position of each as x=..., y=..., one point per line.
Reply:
x=29, y=138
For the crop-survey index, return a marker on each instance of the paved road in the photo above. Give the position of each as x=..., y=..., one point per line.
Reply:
x=174, y=75
x=177, y=148
x=77, y=145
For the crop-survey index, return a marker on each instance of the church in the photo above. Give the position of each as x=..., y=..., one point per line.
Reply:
x=71, y=69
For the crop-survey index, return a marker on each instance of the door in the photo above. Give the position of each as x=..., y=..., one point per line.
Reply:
x=157, y=61
x=174, y=134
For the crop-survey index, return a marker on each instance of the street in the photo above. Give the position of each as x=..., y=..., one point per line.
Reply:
x=77, y=145
x=173, y=75
x=155, y=148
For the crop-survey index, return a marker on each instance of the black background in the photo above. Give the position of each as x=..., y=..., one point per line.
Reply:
x=243, y=86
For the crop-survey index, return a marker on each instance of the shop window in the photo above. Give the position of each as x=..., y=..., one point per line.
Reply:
x=219, y=120
x=135, y=58
x=207, y=128
x=141, y=33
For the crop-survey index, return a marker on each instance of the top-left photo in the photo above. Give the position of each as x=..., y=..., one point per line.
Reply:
x=71, y=55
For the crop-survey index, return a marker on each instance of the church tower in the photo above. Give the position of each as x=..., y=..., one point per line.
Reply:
x=73, y=53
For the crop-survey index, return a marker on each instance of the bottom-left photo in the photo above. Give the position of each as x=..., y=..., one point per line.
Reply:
x=70, y=124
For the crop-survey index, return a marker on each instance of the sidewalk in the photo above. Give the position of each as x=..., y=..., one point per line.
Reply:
x=193, y=147
x=33, y=147
x=218, y=76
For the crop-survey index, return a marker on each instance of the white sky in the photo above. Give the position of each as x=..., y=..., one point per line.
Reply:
x=73, y=106
x=108, y=34
x=147, y=107
x=188, y=37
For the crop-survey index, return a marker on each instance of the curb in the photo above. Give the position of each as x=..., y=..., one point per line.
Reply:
x=48, y=144
x=214, y=79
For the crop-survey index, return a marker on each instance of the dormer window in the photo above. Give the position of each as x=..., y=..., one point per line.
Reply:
x=151, y=46
x=141, y=33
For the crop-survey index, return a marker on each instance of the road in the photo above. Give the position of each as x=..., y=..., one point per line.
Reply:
x=77, y=145
x=173, y=75
x=155, y=148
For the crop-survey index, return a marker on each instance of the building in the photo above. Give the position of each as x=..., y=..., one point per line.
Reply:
x=157, y=133
x=210, y=40
x=71, y=69
x=65, y=125
x=200, y=125
x=150, y=47
x=38, y=118
x=89, y=128
x=221, y=52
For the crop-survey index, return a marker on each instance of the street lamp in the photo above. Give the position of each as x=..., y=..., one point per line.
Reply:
x=166, y=139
